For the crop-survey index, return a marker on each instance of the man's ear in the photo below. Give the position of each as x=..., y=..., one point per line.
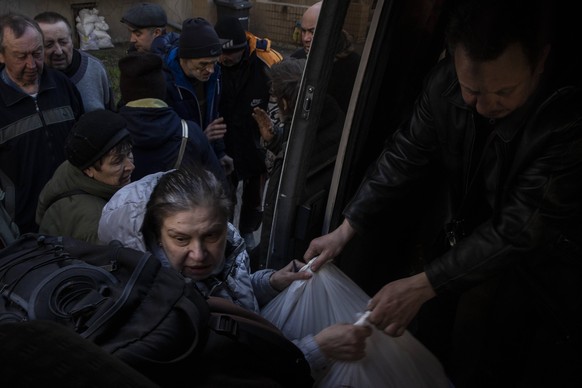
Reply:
x=158, y=31
x=89, y=171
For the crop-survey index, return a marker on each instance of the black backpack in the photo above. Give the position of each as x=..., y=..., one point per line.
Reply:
x=147, y=315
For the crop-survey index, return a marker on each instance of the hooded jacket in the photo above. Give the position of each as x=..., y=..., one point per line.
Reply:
x=156, y=134
x=121, y=220
x=77, y=213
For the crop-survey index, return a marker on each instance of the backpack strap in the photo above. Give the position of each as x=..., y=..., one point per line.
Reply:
x=7, y=194
x=183, y=144
x=236, y=322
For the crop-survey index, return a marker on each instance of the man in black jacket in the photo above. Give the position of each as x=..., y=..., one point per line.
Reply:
x=38, y=107
x=507, y=141
x=245, y=86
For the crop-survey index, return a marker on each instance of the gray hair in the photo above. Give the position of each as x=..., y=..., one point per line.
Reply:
x=18, y=24
x=50, y=17
x=182, y=190
x=285, y=79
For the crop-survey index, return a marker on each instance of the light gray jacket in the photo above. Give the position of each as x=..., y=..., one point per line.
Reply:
x=121, y=220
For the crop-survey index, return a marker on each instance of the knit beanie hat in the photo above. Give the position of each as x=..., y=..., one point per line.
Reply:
x=145, y=15
x=230, y=29
x=141, y=76
x=94, y=135
x=199, y=40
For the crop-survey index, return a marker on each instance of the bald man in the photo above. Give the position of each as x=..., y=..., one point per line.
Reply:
x=346, y=61
x=308, y=23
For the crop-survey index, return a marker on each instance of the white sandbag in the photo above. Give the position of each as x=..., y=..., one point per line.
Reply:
x=91, y=19
x=329, y=297
x=101, y=34
x=102, y=26
x=88, y=43
x=85, y=28
x=105, y=42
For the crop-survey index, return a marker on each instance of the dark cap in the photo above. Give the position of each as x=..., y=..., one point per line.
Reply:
x=94, y=135
x=230, y=29
x=145, y=15
x=141, y=76
x=199, y=40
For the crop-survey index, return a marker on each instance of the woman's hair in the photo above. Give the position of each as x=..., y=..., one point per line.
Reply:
x=285, y=79
x=182, y=190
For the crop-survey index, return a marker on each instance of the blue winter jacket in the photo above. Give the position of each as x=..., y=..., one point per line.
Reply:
x=181, y=95
x=156, y=134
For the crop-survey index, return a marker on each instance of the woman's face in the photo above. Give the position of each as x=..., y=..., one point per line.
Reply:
x=194, y=242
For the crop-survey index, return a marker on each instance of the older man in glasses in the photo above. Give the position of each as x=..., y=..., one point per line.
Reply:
x=194, y=82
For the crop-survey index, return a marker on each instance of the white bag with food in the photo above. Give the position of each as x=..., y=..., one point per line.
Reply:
x=329, y=297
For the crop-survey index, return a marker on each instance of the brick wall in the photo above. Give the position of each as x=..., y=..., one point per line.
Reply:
x=268, y=18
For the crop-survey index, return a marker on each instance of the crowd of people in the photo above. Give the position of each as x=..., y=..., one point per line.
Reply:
x=159, y=168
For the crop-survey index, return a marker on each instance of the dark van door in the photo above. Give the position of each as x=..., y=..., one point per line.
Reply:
x=405, y=39
x=400, y=33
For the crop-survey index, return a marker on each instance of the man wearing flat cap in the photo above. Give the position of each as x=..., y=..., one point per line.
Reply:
x=193, y=82
x=99, y=162
x=146, y=23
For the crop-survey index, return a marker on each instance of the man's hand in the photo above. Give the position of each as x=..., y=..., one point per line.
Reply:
x=343, y=341
x=215, y=130
x=227, y=164
x=398, y=302
x=329, y=246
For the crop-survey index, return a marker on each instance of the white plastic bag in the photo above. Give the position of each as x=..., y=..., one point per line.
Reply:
x=92, y=30
x=329, y=297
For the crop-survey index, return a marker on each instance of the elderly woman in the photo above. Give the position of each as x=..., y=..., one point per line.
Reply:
x=285, y=80
x=185, y=224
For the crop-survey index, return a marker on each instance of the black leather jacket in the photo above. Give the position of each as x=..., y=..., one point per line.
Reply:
x=532, y=182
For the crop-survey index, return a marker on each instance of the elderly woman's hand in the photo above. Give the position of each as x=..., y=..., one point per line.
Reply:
x=343, y=341
x=288, y=274
x=265, y=124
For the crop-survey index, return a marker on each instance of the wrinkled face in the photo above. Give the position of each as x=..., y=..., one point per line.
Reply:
x=58, y=45
x=23, y=57
x=498, y=87
x=308, y=23
x=231, y=58
x=115, y=170
x=199, y=68
x=142, y=38
x=194, y=242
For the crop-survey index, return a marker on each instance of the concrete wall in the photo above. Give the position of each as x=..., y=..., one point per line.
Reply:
x=267, y=18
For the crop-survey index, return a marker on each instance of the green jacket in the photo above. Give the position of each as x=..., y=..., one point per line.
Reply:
x=75, y=214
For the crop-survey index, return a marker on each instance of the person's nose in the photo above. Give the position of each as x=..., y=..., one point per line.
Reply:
x=30, y=62
x=132, y=38
x=129, y=164
x=486, y=103
x=196, y=250
x=58, y=49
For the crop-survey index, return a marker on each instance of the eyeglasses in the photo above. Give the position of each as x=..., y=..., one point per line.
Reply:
x=201, y=66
